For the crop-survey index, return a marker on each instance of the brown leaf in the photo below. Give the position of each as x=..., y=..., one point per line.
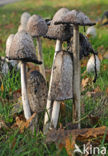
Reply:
x=100, y=57
x=9, y=26
x=2, y=87
x=82, y=135
x=97, y=89
x=84, y=82
x=22, y=124
x=69, y=145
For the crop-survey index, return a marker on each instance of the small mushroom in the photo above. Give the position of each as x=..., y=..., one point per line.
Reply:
x=23, y=21
x=91, y=32
x=9, y=64
x=60, y=33
x=91, y=64
x=76, y=18
x=37, y=27
x=22, y=49
x=37, y=92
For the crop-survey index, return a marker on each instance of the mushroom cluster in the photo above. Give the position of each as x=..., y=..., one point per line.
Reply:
x=65, y=74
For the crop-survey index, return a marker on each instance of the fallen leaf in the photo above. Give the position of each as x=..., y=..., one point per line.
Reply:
x=84, y=82
x=22, y=124
x=97, y=89
x=69, y=145
x=2, y=87
x=63, y=137
x=9, y=26
x=100, y=57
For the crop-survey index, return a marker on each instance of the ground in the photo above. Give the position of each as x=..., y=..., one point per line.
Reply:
x=94, y=97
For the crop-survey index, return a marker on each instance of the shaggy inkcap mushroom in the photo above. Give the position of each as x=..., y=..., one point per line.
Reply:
x=22, y=48
x=37, y=91
x=23, y=21
x=61, y=87
x=24, y=18
x=60, y=32
x=75, y=17
x=8, y=43
x=37, y=26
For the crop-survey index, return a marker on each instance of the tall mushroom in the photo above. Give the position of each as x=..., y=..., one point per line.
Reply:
x=22, y=49
x=60, y=33
x=76, y=18
x=23, y=21
x=37, y=92
x=37, y=27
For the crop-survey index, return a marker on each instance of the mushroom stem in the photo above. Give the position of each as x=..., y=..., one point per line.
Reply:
x=40, y=57
x=55, y=114
x=76, y=75
x=26, y=107
x=49, y=102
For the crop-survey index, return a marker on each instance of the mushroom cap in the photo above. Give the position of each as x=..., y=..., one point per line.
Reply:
x=91, y=31
x=75, y=17
x=24, y=18
x=91, y=64
x=22, y=48
x=61, y=32
x=37, y=91
x=62, y=76
x=37, y=26
x=8, y=43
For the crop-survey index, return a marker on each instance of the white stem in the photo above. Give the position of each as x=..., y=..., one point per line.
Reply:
x=76, y=75
x=40, y=57
x=48, y=106
x=26, y=107
x=55, y=114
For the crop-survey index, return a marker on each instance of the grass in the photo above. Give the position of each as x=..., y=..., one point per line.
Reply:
x=11, y=141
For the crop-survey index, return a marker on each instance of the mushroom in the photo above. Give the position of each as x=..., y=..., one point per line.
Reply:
x=91, y=64
x=8, y=64
x=60, y=33
x=37, y=27
x=61, y=86
x=22, y=49
x=23, y=21
x=76, y=18
x=37, y=92
x=91, y=32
